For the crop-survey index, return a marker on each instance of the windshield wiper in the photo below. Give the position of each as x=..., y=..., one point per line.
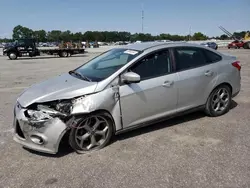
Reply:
x=86, y=78
x=80, y=76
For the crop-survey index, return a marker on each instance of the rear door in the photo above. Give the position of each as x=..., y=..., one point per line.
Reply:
x=196, y=76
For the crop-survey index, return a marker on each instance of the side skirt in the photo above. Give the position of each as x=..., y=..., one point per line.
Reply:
x=199, y=108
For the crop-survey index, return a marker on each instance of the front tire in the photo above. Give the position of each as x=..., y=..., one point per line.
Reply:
x=12, y=56
x=92, y=132
x=219, y=101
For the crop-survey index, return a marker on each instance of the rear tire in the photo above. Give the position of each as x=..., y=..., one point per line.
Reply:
x=12, y=56
x=219, y=101
x=246, y=45
x=32, y=54
x=63, y=54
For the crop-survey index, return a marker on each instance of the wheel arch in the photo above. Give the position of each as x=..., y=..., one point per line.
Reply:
x=12, y=51
x=110, y=116
x=223, y=83
x=218, y=85
x=99, y=111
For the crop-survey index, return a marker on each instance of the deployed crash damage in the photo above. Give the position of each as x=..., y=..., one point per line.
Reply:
x=38, y=114
x=44, y=124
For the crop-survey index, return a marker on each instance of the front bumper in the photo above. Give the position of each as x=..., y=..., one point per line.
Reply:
x=39, y=136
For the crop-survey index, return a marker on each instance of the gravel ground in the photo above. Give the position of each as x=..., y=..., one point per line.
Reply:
x=189, y=151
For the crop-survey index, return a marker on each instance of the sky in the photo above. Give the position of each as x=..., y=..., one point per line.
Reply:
x=160, y=16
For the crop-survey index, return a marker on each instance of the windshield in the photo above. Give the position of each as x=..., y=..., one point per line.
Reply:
x=106, y=64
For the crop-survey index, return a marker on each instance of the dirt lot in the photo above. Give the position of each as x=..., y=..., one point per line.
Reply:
x=189, y=151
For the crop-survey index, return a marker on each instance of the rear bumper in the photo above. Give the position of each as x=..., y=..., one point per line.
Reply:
x=235, y=81
x=236, y=88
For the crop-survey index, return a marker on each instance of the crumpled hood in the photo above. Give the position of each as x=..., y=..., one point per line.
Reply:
x=64, y=86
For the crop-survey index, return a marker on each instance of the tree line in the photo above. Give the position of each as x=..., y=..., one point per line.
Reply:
x=103, y=36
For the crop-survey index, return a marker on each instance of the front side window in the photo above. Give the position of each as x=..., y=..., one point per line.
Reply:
x=189, y=57
x=106, y=64
x=19, y=43
x=153, y=65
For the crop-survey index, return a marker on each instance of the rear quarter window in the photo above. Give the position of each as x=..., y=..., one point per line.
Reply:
x=212, y=57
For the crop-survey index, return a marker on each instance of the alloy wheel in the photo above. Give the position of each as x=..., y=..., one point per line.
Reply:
x=220, y=100
x=91, y=132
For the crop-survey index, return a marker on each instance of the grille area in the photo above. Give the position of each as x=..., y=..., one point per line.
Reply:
x=18, y=130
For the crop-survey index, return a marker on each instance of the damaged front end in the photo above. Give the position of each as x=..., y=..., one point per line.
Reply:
x=42, y=112
x=42, y=126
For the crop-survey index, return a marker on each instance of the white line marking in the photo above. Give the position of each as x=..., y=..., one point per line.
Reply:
x=9, y=130
x=11, y=88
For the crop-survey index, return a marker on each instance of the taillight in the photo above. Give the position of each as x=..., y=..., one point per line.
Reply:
x=236, y=64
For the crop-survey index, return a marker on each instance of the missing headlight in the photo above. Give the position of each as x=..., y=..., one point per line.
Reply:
x=37, y=115
x=64, y=107
x=49, y=110
x=46, y=111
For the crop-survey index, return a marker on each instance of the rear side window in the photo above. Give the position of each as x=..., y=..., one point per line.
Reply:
x=189, y=57
x=212, y=57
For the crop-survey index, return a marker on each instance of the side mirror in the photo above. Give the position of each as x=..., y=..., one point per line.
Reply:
x=131, y=77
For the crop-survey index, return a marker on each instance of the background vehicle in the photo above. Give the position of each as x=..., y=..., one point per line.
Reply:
x=239, y=42
x=27, y=47
x=236, y=44
x=212, y=45
x=123, y=89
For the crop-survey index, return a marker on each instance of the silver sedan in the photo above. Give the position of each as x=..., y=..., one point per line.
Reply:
x=122, y=89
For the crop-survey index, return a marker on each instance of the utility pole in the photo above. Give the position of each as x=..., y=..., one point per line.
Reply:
x=189, y=38
x=142, y=19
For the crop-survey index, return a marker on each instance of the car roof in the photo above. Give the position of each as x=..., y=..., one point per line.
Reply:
x=147, y=45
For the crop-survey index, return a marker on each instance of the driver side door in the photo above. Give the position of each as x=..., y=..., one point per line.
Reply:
x=155, y=96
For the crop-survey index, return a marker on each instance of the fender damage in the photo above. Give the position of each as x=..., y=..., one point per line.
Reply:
x=41, y=126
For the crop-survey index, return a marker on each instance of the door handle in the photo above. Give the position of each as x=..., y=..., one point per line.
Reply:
x=209, y=73
x=168, y=83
